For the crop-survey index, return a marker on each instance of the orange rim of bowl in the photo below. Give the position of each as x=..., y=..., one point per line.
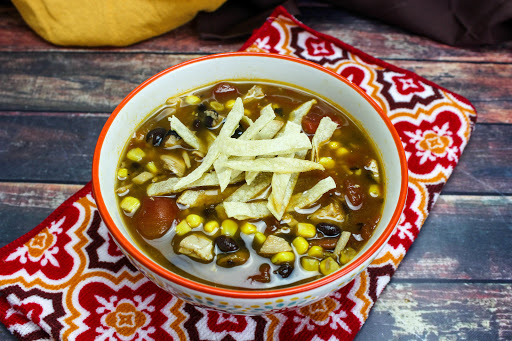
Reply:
x=233, y=293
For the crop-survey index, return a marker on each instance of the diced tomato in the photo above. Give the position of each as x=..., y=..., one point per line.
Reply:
x=311, y=121
x=225, y=91
x=156, y=216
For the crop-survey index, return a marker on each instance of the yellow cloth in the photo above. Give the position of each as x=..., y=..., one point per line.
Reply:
x=108, y=22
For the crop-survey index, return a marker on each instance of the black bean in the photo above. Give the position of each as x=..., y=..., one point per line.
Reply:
x=285, y=270
x=279, y=111
x=202, y=107
x=196, y=124
x=173, y=133
x=238, y=132
x=156, y=136
x=226, y=244
x=209, y=212
x=328, y=229
x=229, y=260
x=208, y=121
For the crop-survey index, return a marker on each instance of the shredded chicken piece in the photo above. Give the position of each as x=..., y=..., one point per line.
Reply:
x=374, y=169
x=197, y=246
x=274, y=245
x=254, y=93
x=174, y=164
x=332, y=212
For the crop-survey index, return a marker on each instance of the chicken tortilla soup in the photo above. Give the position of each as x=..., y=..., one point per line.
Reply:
x=250, y=185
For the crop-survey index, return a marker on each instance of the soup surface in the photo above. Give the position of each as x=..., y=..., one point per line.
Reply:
x=250, y=185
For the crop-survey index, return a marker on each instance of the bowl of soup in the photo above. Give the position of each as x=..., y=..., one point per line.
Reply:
x=249, y=182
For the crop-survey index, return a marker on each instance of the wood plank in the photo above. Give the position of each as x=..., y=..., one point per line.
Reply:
x=75, y=81
x=441, y=311
x=371, y=36
x=464, y=238
x=49, y=148
x=494, y=111
x=449, y=246
x=88, y=82
x=484, y=167
x=58, y=147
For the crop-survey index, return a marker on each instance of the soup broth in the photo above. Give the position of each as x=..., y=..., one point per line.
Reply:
x=250, y=185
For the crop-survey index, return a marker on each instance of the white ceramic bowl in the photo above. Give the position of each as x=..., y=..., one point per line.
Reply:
x=247, y=66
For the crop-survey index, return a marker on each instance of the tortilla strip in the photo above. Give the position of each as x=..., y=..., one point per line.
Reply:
x=228, y=128
x=247, y=192
x=280, y=181
x=275, y=165
x=297, y=114
x=186, y=134
x=301, y=200
x=288, y=144
x=224, y=174
x=342, y=242
x=323, y=134
x=270, y=130
x=279, y=185
x=241, y=211
x=278, y=208
x=203, y=197
x=167, y=186
x=289, y=128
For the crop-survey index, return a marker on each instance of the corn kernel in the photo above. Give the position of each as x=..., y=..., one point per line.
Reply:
x=142, y=178
x=301, y=245
x=130, y=205
x=150, y=166
x=347, y=255
x=283, y=257
x=316, y=251
x=327, y=162
x=346, y=169
x=341, y=151
x=248, y=228
x=192, y=99
x=122, y=191
x=306, y=230
x=309, y=264
x=159, y=178
x=247, y=112
x=328, y=266
x=122, y=173
x=217, y=106
x=357, y=172
x=229, y=104
x=275, y=106
x=374, y=190
x=259, y=238
x=182, y=228
x=135, y=154
x=228, y=227
x=334, y=145
x=194, y=220
x=211, y=226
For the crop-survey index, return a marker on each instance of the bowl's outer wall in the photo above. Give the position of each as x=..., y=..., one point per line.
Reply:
x=246, y=67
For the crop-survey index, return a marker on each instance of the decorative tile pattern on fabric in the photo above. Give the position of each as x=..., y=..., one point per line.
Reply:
x=68, y=280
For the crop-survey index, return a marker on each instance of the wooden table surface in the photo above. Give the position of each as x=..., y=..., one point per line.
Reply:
x=455, y=282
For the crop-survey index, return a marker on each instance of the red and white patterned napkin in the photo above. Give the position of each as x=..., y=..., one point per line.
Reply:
x=67, y=279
